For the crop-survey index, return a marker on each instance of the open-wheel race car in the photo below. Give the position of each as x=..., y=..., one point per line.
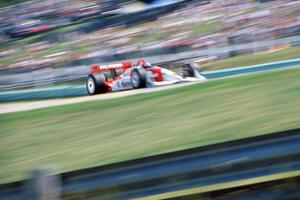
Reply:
x=125, y=76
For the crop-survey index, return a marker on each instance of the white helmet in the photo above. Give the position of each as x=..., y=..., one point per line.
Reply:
x=146, y=65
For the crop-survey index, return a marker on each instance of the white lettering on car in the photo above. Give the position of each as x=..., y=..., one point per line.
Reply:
x=126, y=84
x=113, y=66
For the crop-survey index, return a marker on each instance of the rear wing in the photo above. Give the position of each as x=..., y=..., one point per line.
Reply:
x=96, y=69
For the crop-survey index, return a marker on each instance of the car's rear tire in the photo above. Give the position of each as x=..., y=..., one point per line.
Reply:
x=138, y=78
x=95, y=84
x=187, y=71
x=190, y=70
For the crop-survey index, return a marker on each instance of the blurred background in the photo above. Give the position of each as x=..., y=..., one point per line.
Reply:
x=54, y=42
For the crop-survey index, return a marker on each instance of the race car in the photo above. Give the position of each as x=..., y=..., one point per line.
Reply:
x=125, y=76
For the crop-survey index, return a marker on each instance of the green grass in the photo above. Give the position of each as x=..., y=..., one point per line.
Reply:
x=205, y=28
x=4, y=3
x=197, y=29
x=8, y=60
x=254, y=59
x=96, y=133
x=147, y=38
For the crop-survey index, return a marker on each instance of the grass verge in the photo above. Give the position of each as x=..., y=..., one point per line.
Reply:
x=254, y=59
x=5, y=3
x=96, y=133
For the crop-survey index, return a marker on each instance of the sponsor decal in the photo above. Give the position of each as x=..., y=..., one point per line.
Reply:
x=112, y=66
x=96, y=69
x=126, y=84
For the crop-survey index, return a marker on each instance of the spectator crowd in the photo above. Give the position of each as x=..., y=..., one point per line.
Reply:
x=215, y=24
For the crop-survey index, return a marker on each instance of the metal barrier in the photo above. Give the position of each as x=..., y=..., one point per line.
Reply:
x=214, y=164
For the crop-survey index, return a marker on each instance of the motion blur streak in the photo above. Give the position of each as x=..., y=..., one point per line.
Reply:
x=47, y=49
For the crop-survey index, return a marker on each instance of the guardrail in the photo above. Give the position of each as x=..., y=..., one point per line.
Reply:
x=80, y=90
x=218, y=163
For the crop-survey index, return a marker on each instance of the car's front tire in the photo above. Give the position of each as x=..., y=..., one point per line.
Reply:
x=95, y=84
x=138, y=78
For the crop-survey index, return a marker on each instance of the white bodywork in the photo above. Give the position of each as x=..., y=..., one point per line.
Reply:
x=124, y=81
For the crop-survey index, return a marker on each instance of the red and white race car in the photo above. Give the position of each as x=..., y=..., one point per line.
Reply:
x=124, y=76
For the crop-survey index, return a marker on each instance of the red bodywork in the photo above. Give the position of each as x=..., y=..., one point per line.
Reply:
x=97, y=69
x=158, y=77
x=125, y=76
x=116, y=70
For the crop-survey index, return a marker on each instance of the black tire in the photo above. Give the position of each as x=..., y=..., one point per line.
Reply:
x=95, y=84
x=187, y=71
x=190, y=70
x=138, y=78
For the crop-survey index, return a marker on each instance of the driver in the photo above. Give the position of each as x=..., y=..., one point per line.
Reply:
x=144, y=64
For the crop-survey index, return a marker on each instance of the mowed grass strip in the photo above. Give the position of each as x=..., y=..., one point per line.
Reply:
x=96, y=133
x=254, y=59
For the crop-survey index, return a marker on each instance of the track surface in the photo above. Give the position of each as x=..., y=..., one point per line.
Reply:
x=219, y=74
x=25, y=106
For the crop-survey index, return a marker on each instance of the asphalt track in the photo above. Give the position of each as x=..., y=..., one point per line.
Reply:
x=25, y=106
x=212, y=75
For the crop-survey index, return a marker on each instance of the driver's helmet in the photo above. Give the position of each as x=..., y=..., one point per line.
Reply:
x=146, y=65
